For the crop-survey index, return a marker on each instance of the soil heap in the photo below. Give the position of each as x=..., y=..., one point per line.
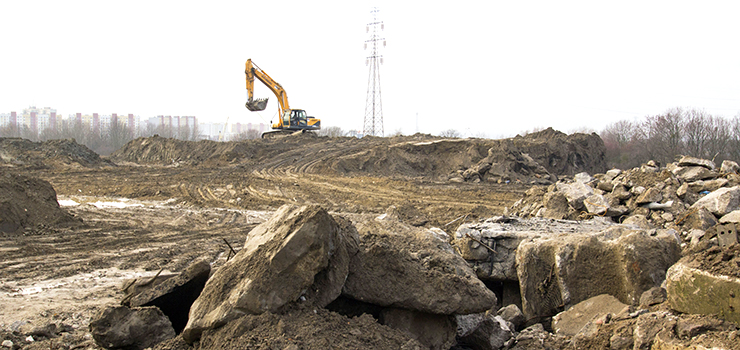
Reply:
x=22, y=153
x=535, y=158
x=28, y=204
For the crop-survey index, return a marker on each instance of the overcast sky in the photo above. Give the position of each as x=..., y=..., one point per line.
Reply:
x=484, y=68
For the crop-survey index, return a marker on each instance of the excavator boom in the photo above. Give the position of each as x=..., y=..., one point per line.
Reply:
x=253, y=71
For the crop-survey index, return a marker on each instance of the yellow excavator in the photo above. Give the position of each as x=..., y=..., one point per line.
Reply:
x=290, y=120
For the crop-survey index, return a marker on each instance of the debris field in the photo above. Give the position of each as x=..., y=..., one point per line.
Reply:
x=410, y=242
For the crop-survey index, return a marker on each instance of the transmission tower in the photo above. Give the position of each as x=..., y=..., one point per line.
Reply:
x=373, y=103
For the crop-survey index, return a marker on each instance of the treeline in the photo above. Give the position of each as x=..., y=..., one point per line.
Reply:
x=102, y=142
x=676, y=132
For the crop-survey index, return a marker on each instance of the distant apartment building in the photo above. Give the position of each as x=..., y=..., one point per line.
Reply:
x=102, y=123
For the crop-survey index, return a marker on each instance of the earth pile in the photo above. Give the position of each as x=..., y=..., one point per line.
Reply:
x=29, y=204
x=23, y=153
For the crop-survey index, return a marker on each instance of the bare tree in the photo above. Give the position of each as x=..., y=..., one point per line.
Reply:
x=332, y=131
x=452, y=133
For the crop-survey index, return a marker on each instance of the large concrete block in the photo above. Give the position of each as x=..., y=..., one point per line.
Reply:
x=490, y=246
x=695, y=291
x=123, y=328
x=279, y=264
x=557, y=272
x=410, y=267
x=721, y=201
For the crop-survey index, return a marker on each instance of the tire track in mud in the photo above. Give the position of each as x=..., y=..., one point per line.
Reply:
x=159, y=237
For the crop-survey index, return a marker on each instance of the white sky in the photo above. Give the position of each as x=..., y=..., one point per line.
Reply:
x=484, y=68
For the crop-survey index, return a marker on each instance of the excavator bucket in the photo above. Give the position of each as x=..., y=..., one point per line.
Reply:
x=257, y=105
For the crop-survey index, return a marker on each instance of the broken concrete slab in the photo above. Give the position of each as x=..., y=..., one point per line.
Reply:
x=694, y=161
x=575, y=192
x=512, y=313
x=731, y=217
x=556, y=272
x=729, y=167
x=721, y=201
x=571, y=321
x=410, y=267
x=485, y=331
x=278, y=264
x=694, y=173
x=137, y=328
x=695, y=291
x=175, y=295
x=653, y=296
x=490, y=246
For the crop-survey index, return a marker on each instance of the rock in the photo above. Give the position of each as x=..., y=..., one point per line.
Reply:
x=621, y=193
x=505, y=237
x=436, y=332
x=650, y=195
x=733, y=216
x=611, y=174
x=682, y=190
x=565, y=270
x=707, y=185
x=606, y=186
x=136, y=328
x=652, y=296
x=490, y=333
x=583, y=177
x=721, y=201
x=557, y=205
x=175, y=295
x=575, y=192
x=639, y=221
x=695, y=291
x=512, y=313
x=466, y=324
x=402, y=266
x=693, y=161
x=7, y=343
x=694, y=173
x=571, y=321
x=646, y=328
x=279, y=264
x=728, y=167
x=699, y=218
x=596, y=204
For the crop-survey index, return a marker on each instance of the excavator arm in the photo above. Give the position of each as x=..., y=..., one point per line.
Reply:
x=253, y=71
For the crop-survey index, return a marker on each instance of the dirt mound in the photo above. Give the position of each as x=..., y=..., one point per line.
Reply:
x=306, y=329
x=564, y=154
x=409, y=157
x=28, y=203
x=17, y=152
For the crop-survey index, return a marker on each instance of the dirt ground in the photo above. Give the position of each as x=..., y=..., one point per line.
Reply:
x=139, y=217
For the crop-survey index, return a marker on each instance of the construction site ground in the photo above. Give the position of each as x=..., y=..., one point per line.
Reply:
x=142, y=217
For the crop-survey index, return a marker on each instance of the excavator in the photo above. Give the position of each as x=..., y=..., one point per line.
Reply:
x=290, y=120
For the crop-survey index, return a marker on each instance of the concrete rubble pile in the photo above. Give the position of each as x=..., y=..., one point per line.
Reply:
x=655, y=265
x=689, y=196
x=306, y=259
x=652, y=262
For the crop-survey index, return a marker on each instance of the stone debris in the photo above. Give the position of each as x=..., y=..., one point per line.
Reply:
x=130, y=328
x=613, y=280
